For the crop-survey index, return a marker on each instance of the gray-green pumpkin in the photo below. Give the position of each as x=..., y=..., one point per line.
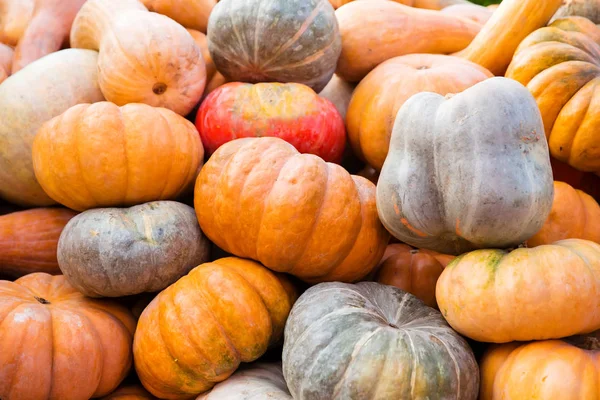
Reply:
x=373, y=342
x=112, y=252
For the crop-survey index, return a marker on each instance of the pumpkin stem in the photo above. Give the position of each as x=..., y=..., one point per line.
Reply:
x=159, y=88
x=41, y=300
x=590, y=341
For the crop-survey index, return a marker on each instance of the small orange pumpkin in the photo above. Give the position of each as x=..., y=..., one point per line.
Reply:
x=189, y=13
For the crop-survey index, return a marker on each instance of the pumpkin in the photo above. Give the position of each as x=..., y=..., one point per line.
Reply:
x=275, y=41
x=339, y=92
x=412, y=270
x=437, y=4
x=102, y=155
x=370, y=34
x=469, y=171
x=130, y=392
x=58, y=344
x=39, y=92
x=378, y=97
x=584, y=181
x=373, y=342
x=370, y=173
x=191, y=14
x=589, y=9
x=6, y=56
x=151, y=246
x=566, y=274
x=552, y=369
x=14, y=18
x=196, y=332
x=202, y=43
x=474, y=12
x=292, y=112
x=28, y=240
x=48, y=28
x=144, y=57
x=258, y=382
x=494, y=46
x=559, y=65
x=301, y=216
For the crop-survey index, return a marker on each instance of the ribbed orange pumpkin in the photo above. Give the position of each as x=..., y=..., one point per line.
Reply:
x=574, y=214
x=377, y=99
x=196, y=332
x=28, y=240
x=55, y=343
x=560, y=65
x=300, y=215
x=101, y=155
x=143, y=57
x=189, y=13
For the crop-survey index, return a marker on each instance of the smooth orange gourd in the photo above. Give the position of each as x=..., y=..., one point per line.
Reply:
x=189, y=13
x=14, y=18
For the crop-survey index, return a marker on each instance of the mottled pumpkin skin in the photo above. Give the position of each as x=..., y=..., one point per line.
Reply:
x=469, y=171
x=574, y=215
x=144, y=57
x=101, y=155
x=373, y=342
x=196, y=332
x=560, y=65
x=58, y=344
x=379, y=96
x=275, y=41
x=28, y=240
x=41, y=91
x=130, y=392
x=189, y=13
x=493, y=295
x=301, y=215
x=292, y=112
x=258, y=382
x=113, y=252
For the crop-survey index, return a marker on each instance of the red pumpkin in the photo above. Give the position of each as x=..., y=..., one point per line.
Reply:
x=291, y=111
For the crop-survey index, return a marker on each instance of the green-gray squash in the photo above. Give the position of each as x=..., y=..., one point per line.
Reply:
x=112, y=252
x=467, y=171
x=275, y=41
x=373, y=342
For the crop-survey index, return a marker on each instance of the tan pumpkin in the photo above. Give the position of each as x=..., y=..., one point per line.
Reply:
x=381, y=94
x=301, y=216
x=339, y=92
x=102, y=155
x=39, y=92
x=589, y=9
x=375, y=31
x=474, y=12
x=14, y=18
x=143, y=57
x=189, y=13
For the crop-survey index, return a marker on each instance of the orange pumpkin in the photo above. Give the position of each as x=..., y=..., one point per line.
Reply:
x=144, y=57
x=101, y=155
x=574, y=214
x=375, y=31
x=494, y=295
x=202, y=43
x=196, y=332
x=559, y=64
x=189, y=13
x=301, y=215
x=55, y=343
x=584, y=181
x=378, y=97
x=14, y=18
x=412, y=270
x=130, y=392
x=474, y=12
x=28, y=240
x=437, y=4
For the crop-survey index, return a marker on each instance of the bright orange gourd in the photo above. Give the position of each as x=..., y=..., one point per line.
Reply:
x=189, y=13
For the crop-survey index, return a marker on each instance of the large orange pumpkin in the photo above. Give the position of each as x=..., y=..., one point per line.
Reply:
x=189, y=13
x=196, y=332
x=300, y=214
x=546, y=292
x=574, y=214
x=378, y=97
x=29, y=239
x=101, y=155
x=560, y=65
x=144, y=57
x=55, y=343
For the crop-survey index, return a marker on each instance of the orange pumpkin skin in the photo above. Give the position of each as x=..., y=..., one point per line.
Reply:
x=202, y=43
x=144, y=57
x=57, y=343
x=196, y=332
x=101, y=155
x=301, y=215
x=28, y=240
x=6, y=56
x=559, y=64
x=584, y=181
x=189, y=13
x=414, y=271
x=14, y=18
x=490, y=295
x=388, y=29
x=574, y=214
x=437, y=4
x=130, y=392
x=474, y=12
x=378, y=97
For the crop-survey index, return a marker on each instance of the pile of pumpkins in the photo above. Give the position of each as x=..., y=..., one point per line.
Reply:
x=299, y=199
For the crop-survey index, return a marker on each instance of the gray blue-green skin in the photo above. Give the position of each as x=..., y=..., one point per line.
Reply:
x=467, y=172
x=275, y=41
x=112, y=252
x=373, y=342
